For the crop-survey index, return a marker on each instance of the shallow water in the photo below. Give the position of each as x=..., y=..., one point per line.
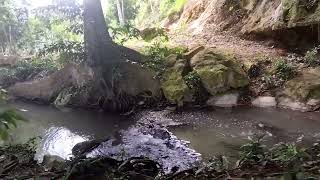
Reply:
x=223, y=131
x=210, y=132
x=61, y=129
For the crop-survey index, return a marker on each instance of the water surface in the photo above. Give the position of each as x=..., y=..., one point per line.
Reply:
x=203, y=132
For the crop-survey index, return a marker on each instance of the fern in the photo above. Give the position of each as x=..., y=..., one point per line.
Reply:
x=9, y=119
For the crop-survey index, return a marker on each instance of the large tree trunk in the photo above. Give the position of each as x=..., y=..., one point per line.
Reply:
x=98, y=43
x=107, y=79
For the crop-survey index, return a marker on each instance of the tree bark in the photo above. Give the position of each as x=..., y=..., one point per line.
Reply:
x=151, y=6
x=120, y=12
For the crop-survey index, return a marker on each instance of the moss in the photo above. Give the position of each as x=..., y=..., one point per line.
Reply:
x=304, y=87
x=214, y=78
x=297, y=12
x=174, y=87
x=315, y=92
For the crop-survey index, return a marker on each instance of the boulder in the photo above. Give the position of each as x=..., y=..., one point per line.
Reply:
x=302, y=92
x=265, y=101
x=47, y=89
x=149, y=34
x=218, y=72
x=288, y=103
x=8, y=60
x=225, y=100
x=173, y=84
x=54, y=163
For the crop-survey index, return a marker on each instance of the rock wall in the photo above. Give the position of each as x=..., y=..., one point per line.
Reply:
x=250, y=16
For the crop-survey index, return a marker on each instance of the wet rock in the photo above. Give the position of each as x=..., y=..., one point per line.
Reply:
x=53, y=163
x=288, y=103
x=46, y=89
x=302, y=92
x=265, y=101
x=226, y=100
x=218, y=72
x=8, y=60
x=83, y=148
x=152, y=140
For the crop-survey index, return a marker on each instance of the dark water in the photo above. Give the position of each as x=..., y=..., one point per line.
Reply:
x=164, y=135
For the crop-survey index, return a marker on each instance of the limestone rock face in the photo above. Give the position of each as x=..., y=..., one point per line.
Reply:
x=302, y=91
x=218, y=72
x=250, y=16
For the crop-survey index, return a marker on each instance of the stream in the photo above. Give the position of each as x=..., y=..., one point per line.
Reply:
x=175, y=139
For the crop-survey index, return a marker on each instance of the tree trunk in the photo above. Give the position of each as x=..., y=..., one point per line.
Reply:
x=151, y=6
x=120, y=12
x=123, y=15
x=103, y=55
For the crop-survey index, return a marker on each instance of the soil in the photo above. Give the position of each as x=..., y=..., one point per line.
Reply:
x=244, y=48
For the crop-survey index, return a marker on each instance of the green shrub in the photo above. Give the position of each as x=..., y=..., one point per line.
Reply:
x=253, y=152
x=27, y=69
x=283, y=69
x=168, y=7
x=193, y=80
x=121, y=34
x=157, y=53
x=3, y=95
x=9, y=120
x=287, y=152
x=311, y=57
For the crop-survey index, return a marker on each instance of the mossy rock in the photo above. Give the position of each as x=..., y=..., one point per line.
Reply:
x=304, y=87
x=218, y=72
x=173, y=84
x=299, y=12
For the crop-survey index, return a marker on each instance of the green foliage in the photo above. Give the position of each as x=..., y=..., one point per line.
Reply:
x=151, y=13
x=121, y=34
x=193, y=80
x=27, y=69
x=3, y=95
x=69, y=51
x=157, y=52
x=312, y=57
x=283, y=69
x=253, y=152
x=9, y=120
x=287, y=152
x=168, y=7
x=130, y=12
x=12, y=23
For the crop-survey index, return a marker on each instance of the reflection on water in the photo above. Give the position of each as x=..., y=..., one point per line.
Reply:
x=61, y=129
x=59, y=141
